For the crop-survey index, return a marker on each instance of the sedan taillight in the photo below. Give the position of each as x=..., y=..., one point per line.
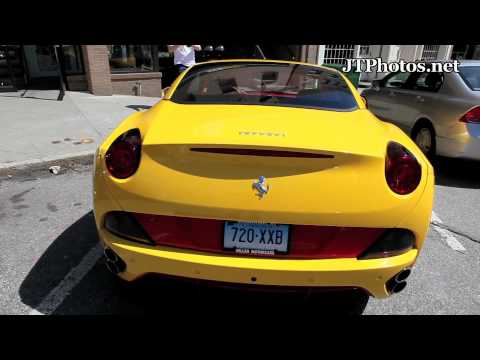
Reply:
x=123, y=156
x=402, y=170
x=472, y=116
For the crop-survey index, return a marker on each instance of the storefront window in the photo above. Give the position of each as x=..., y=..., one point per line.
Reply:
x=131, y=58
x=72, y=59
x=45, y=57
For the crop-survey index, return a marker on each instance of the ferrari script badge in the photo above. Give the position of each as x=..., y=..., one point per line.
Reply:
x=261, y=186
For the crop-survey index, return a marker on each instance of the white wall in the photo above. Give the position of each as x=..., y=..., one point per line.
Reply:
x=410, y=52
x=476, y=53
x=390, y=53
x=445, y=52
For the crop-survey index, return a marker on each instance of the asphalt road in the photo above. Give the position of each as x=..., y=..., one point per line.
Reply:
x=50, y=259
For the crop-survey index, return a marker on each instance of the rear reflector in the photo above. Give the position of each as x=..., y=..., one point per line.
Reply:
x=124, y=225
x=306, y=241
x=259, y=152
x=392, y=242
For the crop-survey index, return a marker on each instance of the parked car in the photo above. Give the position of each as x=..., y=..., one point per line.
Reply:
x=440, y=111
x=257, y=172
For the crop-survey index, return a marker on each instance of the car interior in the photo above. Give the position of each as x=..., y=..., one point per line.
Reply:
x=428, y=82
x=267, y=84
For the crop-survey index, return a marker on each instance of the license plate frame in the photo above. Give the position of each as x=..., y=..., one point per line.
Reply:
x=255, y=247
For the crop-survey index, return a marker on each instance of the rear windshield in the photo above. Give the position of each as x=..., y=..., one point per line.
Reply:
x=471, y=76
x=273, y=84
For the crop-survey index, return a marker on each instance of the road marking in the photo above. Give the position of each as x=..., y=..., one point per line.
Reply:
x=447, y=235
x=55, y=298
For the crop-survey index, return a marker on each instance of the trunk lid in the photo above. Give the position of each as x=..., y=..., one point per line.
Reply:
x=341, y=182
x=265, y=126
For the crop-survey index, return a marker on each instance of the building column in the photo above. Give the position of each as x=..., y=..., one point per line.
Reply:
x=445, y=52
x=309, y=54
x=476, y=52
x=387, y=53
x=97, y=69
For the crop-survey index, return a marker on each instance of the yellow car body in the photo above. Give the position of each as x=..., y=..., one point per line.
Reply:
x=349, y=191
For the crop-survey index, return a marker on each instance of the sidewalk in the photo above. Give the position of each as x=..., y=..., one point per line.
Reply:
x=40, y=129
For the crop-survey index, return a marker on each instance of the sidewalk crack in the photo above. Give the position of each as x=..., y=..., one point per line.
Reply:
x=85, y=117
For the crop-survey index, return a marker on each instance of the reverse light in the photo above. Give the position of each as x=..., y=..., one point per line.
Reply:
x=393, y=242
x=402, y=170
x=123, y=156
x=472, y=116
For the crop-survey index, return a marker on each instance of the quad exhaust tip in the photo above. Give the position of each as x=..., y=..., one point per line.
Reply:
x=399, y=287
x=403, y=275
x=113, y=262
x=398, y=283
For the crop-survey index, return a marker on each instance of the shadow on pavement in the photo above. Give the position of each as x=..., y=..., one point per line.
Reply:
x=37, y=93
x=457, y=172
x=100, y=292
x=62, y=255
x=138, y=107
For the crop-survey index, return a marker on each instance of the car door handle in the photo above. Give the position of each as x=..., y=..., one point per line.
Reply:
x=420, y=98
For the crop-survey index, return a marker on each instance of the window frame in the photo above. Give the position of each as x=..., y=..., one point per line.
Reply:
x=411, y=81
x=389, y=76
x=155, y=67
x=185, y=75
x=465, y=81
x=417, y=76
x=81, y=62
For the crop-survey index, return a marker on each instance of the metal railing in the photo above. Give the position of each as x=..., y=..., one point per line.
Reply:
x=430, y=52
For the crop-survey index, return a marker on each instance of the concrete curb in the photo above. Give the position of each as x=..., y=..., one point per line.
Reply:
x=65, y=161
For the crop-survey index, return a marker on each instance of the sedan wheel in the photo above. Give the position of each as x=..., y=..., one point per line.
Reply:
x=424, y=140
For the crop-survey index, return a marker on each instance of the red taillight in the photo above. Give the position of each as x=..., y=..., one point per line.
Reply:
x=472, y=116
x=123, y=156
x=402, y=170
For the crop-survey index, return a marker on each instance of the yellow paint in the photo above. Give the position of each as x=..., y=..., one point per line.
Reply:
x=348, y=190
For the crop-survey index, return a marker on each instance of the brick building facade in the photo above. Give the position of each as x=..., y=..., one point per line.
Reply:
x=100, y=80
x=105, y=70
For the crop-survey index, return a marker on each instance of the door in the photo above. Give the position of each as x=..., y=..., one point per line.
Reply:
x=420, y=98
x=389, y=102
x=11, y=68
x=41, y=61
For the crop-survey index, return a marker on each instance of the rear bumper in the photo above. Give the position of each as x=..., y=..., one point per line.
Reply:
x=465, y=145
x=369, y=275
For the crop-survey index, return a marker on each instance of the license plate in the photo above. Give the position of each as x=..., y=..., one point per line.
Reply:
x=256, y=238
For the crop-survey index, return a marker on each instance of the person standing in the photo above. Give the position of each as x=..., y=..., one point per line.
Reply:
x=183, y=56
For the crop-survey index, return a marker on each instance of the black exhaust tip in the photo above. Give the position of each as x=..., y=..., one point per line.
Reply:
x=112, y=267
x=399, y=287
x=398, y=283
x=113, y=262
x=110, y=255
x=403, y=275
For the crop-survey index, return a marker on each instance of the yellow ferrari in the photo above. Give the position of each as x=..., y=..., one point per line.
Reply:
x=265, y=173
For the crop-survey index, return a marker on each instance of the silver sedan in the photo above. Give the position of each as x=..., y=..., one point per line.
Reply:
x=440, y=111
